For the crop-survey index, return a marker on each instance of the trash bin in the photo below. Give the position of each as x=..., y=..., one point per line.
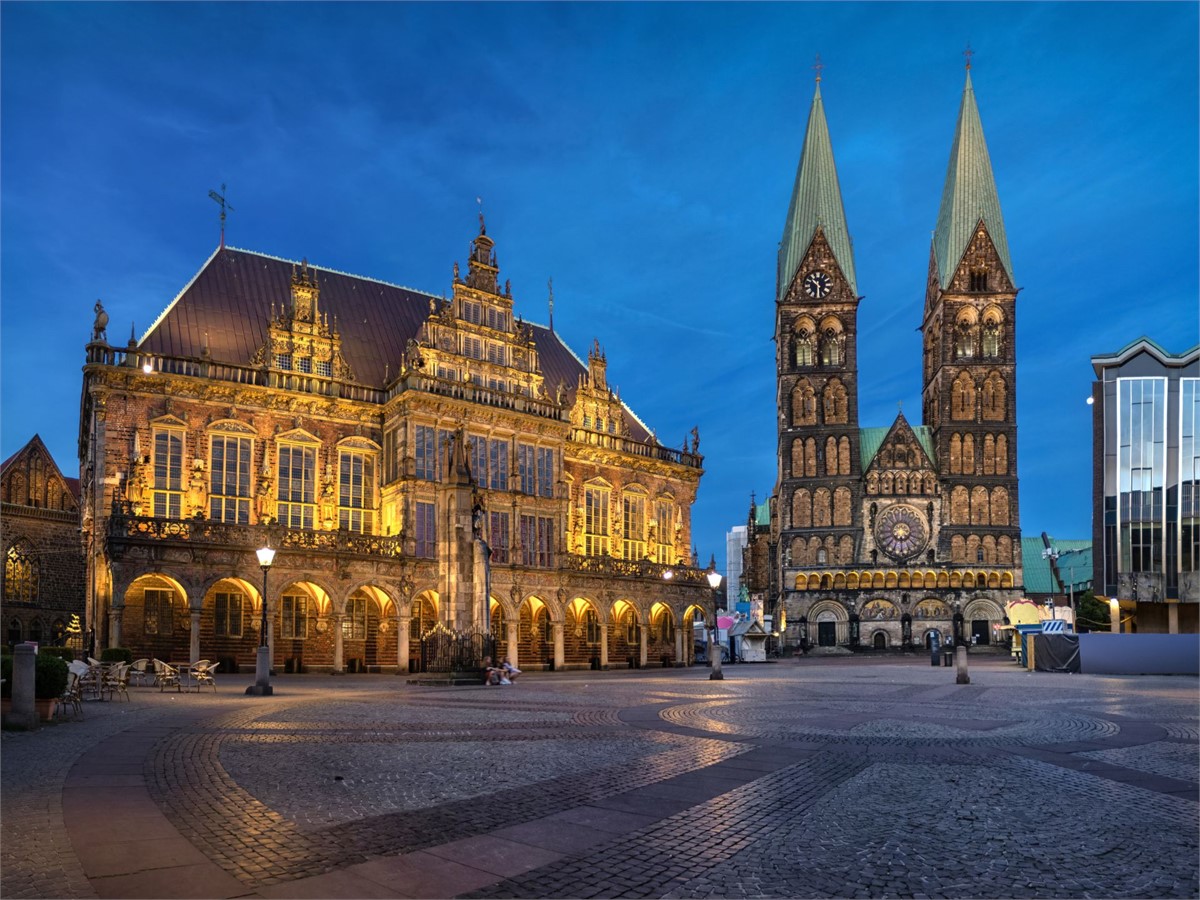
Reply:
x=947, y=657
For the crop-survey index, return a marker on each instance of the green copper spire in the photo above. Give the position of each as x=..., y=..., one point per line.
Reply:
x=816, y=201
x=969, y=195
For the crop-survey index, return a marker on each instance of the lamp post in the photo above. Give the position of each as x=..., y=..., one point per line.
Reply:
x=714, y=582
x=262, y=671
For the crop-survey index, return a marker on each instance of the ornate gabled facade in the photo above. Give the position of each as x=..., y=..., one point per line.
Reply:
x=419, y=462
x=43, y=559
x=880, y=536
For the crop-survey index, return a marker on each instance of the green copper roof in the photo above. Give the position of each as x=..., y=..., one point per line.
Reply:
x=1074, y=565
x=816, y=200
x=969, y=195
x=871, y=439
x=762, y=513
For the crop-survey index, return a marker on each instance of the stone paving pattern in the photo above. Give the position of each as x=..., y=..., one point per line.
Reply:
x=803, y=778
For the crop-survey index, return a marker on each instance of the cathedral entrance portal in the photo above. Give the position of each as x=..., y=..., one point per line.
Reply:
x=980, y=631
x=827, y=634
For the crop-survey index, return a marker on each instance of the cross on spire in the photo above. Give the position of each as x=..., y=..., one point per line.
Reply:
x=968, y=53
x=220, y=198
x=817, y=67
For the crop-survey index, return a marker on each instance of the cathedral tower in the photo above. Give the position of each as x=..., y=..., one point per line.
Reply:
x=819, y=476
x=969, y=329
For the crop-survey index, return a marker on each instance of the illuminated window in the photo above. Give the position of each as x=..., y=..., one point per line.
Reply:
x=497, y=465
x=294, y=617
x=472, y=347
x=545, y=471
x=425, y=530
x=227, y=619
x=537, y=541
x=296, y=507
x=168, y=473
x=591, y=626
x=664, y=533
x=479, y=458
x=158, y=612
x=526, y=470
x=596, y=521
x=356, y=491
x=229, y=479
x=324, y=369
x=471, y=311
x=354, y=625
x=20, y=574
x=425, y=452
x=283, y=361
x=498, y=537
x=304, y=364
x=634, y=526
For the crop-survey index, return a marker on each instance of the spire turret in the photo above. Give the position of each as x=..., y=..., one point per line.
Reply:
x=816, y=203
x=968, y=197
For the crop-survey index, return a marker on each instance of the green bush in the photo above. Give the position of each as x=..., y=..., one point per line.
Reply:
x=50, y=676
x=65, y=653
x=116, y=654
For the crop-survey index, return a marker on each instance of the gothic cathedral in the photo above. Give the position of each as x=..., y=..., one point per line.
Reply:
x=880, y=537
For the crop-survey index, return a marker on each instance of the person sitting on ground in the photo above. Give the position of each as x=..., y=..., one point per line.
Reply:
x=491, y=674
x=510, y=670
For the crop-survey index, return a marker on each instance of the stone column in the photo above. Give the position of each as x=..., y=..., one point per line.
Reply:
x=337, y=645
x=1114, y=616
x=557, y=628
x=604, y=646
x=24, y=712
x=194, y=649
x=644, y=642
x=679, y=658
x=114, y=625
x=1172, y=617
x=402, y=645
x=512, y=636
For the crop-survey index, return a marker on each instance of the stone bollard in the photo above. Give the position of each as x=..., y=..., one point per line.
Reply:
x=960, y=661
x=24, y=713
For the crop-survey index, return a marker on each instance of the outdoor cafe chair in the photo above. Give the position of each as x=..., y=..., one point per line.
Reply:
x=88, y=678
x=166, y=676
x=202, y=672
x=114, y=680
x=138, y=671
x=72, y=697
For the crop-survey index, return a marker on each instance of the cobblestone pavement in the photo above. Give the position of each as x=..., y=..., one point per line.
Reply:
x=808, y=778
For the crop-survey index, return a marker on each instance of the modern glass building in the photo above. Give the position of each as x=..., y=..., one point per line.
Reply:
x=1146, y=484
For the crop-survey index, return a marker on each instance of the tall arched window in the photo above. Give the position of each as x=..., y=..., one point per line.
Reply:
x=20, y=573
x=995, y=396
x=802, y=509
x=804, y=404
x=804, y=347
x=991, y=339
x=962, y=398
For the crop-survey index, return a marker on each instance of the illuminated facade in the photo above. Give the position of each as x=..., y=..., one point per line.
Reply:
x=1146, y=457
x=882, y=536
x=417, y=461
x=43, y=559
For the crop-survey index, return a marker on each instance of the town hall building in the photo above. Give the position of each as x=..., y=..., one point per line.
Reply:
x=419, y=463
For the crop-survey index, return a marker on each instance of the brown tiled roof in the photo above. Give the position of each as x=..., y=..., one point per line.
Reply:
x=228, y=305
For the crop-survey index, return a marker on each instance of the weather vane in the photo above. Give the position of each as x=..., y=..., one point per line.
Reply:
x=220, y=198
x=817, y=67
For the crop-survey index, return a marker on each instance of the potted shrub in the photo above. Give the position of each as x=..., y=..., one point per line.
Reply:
x=116, y=655
x=49, y=681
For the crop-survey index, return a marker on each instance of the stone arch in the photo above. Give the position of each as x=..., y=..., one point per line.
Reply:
x=1004, y=550
x=956, y=454
x=822, y=508
x=834, y=402
x=833, y=341
x=624, y=635
x=995, y=397
x=582, y=633
x=810, y=458
x=999, y=506
x=805, y=332
x=962, y=398
x=960, y=506
x=979, y=505
x=802, y=509
x=831, y=455
x=22, y=573
x=841, y=506
x=958, y=549
x=966, y=333
x=845, y=550
x=843, y=456
x=1001, y=454
x=970, y=464
x=804, y=403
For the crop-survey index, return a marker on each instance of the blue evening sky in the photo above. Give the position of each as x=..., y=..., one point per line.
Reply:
x=641, y=155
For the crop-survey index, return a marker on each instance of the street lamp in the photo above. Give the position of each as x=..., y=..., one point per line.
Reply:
x=714, y=582
x=262, y=671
